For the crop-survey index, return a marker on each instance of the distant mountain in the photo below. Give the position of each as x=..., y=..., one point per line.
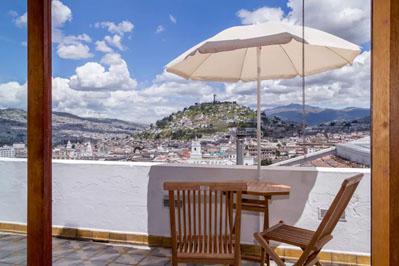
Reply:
x=66, y=127
x=317, y=115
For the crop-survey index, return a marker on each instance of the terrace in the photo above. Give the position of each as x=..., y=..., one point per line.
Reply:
x=119, y=211
x=87, y=209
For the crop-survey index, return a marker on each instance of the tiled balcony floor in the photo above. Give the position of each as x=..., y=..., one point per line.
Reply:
x=73, y=252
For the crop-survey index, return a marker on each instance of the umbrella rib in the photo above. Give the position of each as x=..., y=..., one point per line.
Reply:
x=346, y=60
x=199, y=65
x=243, y=61
x=289, y=58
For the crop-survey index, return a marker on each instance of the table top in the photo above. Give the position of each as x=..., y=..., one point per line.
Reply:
x=265, y=188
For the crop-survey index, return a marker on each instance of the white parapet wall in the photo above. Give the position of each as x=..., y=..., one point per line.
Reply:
x=129, y=197
x=356, y=151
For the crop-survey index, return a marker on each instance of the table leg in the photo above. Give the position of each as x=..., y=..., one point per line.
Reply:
x=259, y=205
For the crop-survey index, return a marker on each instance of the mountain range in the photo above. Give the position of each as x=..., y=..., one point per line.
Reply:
x=196, y=120
x=317, y=115
x=66, y=127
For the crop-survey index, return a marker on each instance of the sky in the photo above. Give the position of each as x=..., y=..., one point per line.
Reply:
x=109, y=56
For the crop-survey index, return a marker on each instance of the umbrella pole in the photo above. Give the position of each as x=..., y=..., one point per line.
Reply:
x=258, y=112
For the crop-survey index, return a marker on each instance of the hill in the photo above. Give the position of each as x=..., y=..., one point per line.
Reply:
x=66, y=127
x=317, y=115
x=213, y=118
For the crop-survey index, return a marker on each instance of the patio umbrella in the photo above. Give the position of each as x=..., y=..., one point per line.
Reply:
x=265, y=51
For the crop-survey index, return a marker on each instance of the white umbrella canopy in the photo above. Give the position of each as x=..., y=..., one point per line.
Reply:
x=265, y=51
x=231, y=56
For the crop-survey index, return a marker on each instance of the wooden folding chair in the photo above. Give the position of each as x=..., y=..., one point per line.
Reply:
x=205, y=228
x=311, y=242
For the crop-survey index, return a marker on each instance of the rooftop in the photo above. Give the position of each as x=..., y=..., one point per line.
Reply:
x=334, y=161
x=354, y=154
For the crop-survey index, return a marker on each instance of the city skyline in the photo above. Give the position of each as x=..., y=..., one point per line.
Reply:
x=219, y=133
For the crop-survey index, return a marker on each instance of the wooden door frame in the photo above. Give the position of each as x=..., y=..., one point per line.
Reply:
x=39, y=133
x=385, y=132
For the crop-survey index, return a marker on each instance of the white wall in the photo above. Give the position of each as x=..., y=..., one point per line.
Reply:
x=128, y=197
x=355, y=153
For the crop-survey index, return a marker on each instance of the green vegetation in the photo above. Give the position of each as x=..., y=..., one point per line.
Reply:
x=265, y=162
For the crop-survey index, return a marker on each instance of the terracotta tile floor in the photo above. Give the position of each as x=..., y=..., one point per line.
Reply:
x=73, y=252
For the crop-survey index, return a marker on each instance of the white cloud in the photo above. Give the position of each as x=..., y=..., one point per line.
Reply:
x=160, y=29
x=20, y=21
x=262, y=14
x=74, y=51
x=73, y=47
x=99, y=90
x=348, y=86
x=67, y=100
x=69, y=46
x=172, y=19
x=116, y=28
x=13, y=95
x=170, y=85
x=115, y=41
x=174, y=93
x=347, y=19
x=93, y=76
x=102, y=46
x=60, y=14
x=76, y=38
x=122, y=104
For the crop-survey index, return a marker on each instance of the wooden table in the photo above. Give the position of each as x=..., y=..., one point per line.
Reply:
x=256, y=199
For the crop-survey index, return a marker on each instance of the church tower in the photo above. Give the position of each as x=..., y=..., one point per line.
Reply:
x=196, y=153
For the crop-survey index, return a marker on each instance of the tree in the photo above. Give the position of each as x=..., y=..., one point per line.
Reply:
x=266, y=161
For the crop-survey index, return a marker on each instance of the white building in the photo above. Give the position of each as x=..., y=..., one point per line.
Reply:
x=20, y=150
x=248, y=160
x=69, y=145
x=88, y=150
x=196, y=156
x=7, y=151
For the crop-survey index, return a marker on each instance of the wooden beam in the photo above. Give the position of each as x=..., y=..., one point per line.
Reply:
x=385, y=133
x=39, y=132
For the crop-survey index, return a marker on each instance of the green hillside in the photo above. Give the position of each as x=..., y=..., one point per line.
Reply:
x=208, y=119
x=198, y=120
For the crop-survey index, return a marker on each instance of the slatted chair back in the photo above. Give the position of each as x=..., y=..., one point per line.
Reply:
x=331, y=218
x=205, y=219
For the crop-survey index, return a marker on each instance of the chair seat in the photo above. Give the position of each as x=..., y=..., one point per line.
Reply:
x=197, y=250
x=311, y=242
x=289, y=234
x=194, y=256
